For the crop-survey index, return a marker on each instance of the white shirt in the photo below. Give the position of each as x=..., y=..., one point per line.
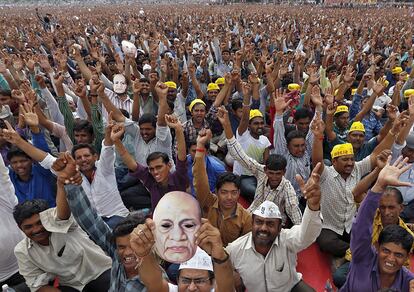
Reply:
x=103, y=191
x=179, y=108
x=10, y=234
x=174, y=288
x=71, y=255
x=254, y=148
x=337, y=203
x=161, y=142
x=277, y=271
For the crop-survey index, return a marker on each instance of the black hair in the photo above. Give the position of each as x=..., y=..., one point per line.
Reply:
x=396, y=192
x=276, y=162
x=83, y=125
x=148, y=119
x=225, y=51
x=337, y=115
x=156, y=155
x=171, y=104
x=81, y=146
x=331, y=68
x=127, y=225
x=194, y=142
x=144, y=79
x=27, y=209
x=293, y=135
x=236, y=104
x=302, y=113
x=5, y=92
x=14, y=151
x=124, y=113
x=210, y=276
x=228, y=177
x=398, y=235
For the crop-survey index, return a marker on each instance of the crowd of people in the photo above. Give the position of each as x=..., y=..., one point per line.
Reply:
x=288, y=126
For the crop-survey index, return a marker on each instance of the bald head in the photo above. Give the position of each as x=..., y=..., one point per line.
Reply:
x=179, y=201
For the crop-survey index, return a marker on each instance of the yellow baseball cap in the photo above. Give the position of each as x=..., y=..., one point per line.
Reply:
x=220, y=81
x=396, y=70
x=357, y=126
x=212, y=86
x=408, y=93
x=342, y=150
x=293, y=86
x=171, y=84
x=353, y=91
x=255, y=113
x=194, y=102
x=341, y=109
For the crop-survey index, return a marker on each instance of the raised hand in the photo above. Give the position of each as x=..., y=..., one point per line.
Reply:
x=67, y=170
x=10, y=135
x=246, y=89
x=173, y=122
x=161, y=89
x=136, y=86
x=18, y=95
x=223, y=116
x=80, y=88
x=209, y=239
x=142, y=238
x=318, y=126
x=316, y=96
x=204, y=136
x=281, y=100
x=41, y=81
x=382, y=158
x=380, y=85
x=117, y=132
x=331, y=108
x=390, y=174
x=28, y=114
x=311, y=190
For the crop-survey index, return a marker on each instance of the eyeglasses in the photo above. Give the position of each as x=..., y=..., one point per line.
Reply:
x=197, y=282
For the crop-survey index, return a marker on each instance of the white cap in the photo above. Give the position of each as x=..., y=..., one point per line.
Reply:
x=146, y=67
x=5, y=112
x=200, y=261
x=268, y=210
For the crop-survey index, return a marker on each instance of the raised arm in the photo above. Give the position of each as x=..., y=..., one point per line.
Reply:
x=162, y=91
x=98, y=88
x=174, y=123
x=136, y=87
x=244, y=122
x=378, y=89
x=281, y=102
x=318, y=128
x=117, y=133
x=329, y=129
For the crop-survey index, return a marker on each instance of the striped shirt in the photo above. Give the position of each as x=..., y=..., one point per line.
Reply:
x=118, y=103
x=283, y=196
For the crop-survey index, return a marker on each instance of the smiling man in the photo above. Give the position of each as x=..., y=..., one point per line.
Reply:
x=372, y=270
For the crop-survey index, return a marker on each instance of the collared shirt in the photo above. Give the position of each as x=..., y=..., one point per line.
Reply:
x=42, y=183
x=214, y=168
x=364, y=274
x=277, y=271
x=148, y=106
x=372, y=125
x=179, y=108
x=191, y=132
x=100, y=233
x=10, y=235
x=295, y=165
x=70, y=255
x=177, y=181
x=102, y=192
x=232, y=227
x=337, y=203
x=376, y=230
x=283, y=196
x=160, y=143
x=118, y=103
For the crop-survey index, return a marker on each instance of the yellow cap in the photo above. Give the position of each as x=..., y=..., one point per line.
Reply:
x=220, y=81
x=408, y=93
x=194, y=102
x=341, y=109
x=171, y=84
x=336, y=92
x=396, y=70
x=255, y=113
x=342, y=150
x=353, y=91
x=357, y=126
x=212, y=86
x=386, y=83
x=293, y=86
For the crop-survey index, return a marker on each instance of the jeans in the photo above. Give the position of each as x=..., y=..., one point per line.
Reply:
x=301, y=286
x=339, y=277
x=333, y=243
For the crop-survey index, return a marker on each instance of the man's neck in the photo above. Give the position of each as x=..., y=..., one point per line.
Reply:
x=89, y=174
x=387, y=280
x=25, y=178
x=131, y=273
x=122, y=96
x=227, y=212
x=197, y=125
x=263, y=250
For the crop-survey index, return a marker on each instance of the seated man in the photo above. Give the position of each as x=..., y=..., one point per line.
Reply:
x=222, y=210
x=270, y=251
x=157, y=177
x=372, y=270
x=10, y=235
x=389, y=209
x=203, y=272
x=271, y=183
x=98, y=175
x=116, y=243
x=55, y=247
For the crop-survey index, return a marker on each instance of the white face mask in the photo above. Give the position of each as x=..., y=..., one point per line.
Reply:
x=119, y=83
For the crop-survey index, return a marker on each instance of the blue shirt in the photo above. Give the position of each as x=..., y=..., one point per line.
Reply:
x=364, y=274
x=214, y=168
x=42, y=184
x=372, y=126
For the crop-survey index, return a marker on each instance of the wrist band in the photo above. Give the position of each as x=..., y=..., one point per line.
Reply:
x=200, y=150
x=217, y=261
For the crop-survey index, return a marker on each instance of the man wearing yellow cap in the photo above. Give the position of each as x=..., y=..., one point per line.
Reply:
x=337, y=183
x=178, y=99
x=393, y=75
x=338, y=118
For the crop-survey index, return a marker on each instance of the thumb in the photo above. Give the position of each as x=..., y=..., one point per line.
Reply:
x=150, y=223
x=68, y=157
x=9, y=127
x=300, y=181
